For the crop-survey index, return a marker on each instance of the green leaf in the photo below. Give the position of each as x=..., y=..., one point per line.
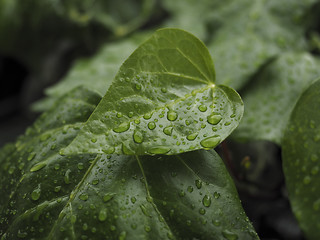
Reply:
x=271, y=96
x=97, y=196
x=94, y=73
x=162, y=101
x=301, y=161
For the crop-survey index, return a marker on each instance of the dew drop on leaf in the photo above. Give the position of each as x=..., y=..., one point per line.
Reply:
x=109, y=150
x=210, y=142
x=123, y=235
x=144, y=210
x=84, y=196
x=214, y=119
x=229, y=235
x=190, y=189
x=35, y=195
x=147, y=115
x=202, y=108
x=147, y=228
x=133, y=199
x=168, y=131
x=206, y=201
x=102, y=215
x=202, y=211
x=108, y=196
x=138, y=136
x=122, y=127
x=151, y=125
x=38, y=166
x=198, y=183
x=159, y=150
x=192, y=136
x=67, y=176
x=31, y=156
x=172, y=115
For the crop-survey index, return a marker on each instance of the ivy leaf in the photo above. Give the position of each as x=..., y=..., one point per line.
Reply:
x=301, y=160
x=102, y=68
x=48, y=196
x=162, y=101
x=271, y=96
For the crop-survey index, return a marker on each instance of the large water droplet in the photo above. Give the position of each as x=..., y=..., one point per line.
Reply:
x=168, y=130
x=108, y=196
x=206, y=201
x=172, y=115
x=122, y=127
x=38, y=166
x=109, y=150
x=210, y=142
x=229, y=235
x=138, y=136
x=102, y=215
x=159, y=150
x=31, y=156
x=35, y=195
x=214, y=119
x=84, y=196
x=147, y=115
x=151, y=125
x=202, y=108
x=192, y=136
x=202, y=211
x=198, y=183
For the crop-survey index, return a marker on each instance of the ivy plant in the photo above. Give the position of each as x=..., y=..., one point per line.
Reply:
x=118, y=167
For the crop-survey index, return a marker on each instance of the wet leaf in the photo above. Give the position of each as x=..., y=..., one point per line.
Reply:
x=301, y=158
x=165, y=93
x=271, y=96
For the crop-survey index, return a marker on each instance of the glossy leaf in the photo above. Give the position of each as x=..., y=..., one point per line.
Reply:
x=301, y=158
x=162, y=101
x=271, y=96
x=48, y=196
x=95, y=73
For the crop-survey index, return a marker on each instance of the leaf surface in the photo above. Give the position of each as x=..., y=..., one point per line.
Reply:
x=163, y=101
x=100, y=196
x=301, y=161
x=271, y=96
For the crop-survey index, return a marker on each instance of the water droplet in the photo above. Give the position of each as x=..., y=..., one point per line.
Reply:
x=168, y=130
x=138, y=86
x=31, y=156
x=80, y=166
x=315, y=170
x=108, y=196
x=147, y=228
x=216, y=222
x=122, y=127
x=202, y=211
x=119, y=115
x=214, y=119
x=316, y=205
x=123, y=235
x=57, y=188
x=192, y=136
x=126, y=150
x=94, y=140
x=147, y=115
x=206, y=201
x=35, y=195
x=306, y=180
x=73, y=219
x=210, y=142
x=38, y=166
x=198, y=183
x=182, y=193
x=138, y=136
x=216, y=195
x=314, y=157
x=151, y=125
x=190, y=189
x=172, y=115
x=109, y=150
x=102, y=215
x=229, y=235
x=84, y=196
x=133, y=199
x=202, y=108
x=144, y=210
x=159, y=150
x=67, y=176
x=45, y=137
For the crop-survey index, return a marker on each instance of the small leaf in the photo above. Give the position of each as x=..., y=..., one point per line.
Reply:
x=168, y=82
x=301, y=158
x=271, y=96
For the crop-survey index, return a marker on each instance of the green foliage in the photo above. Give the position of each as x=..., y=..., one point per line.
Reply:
x=301, y=158
x=163, y=101
x=272, y=94
x=124, y=147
